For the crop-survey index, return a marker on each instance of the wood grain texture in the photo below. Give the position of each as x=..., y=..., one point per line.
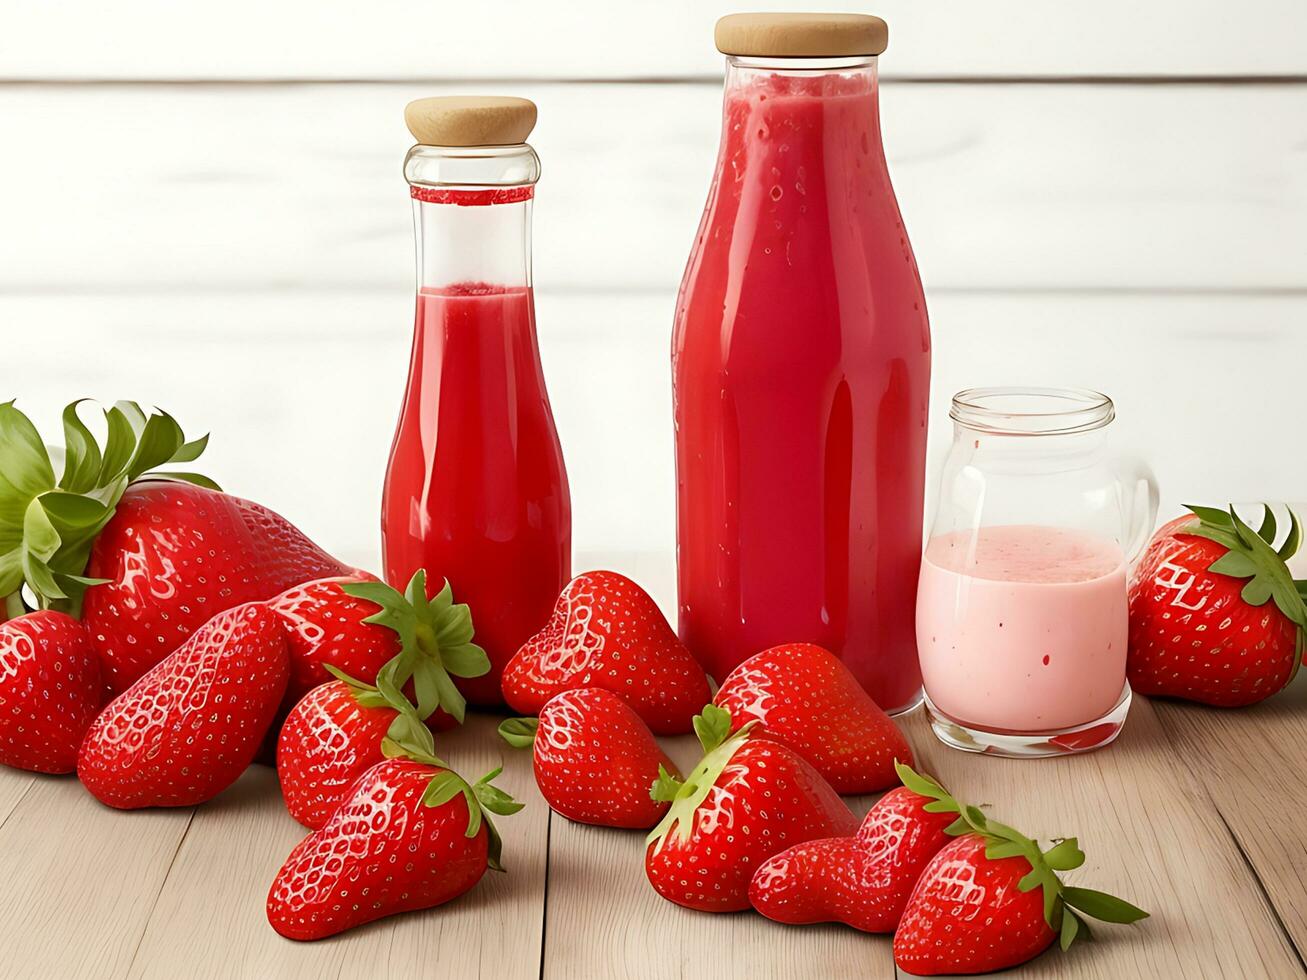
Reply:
x=592, y=38
x=301, y=389
x=606, y=920
x=80, y=880
x=1031, y=187
x=14, y=785
x=1151, y=836
x=210, y=920
x=1253, y=762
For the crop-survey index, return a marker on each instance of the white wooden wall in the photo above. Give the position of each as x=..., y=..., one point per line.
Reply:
x=202, y=208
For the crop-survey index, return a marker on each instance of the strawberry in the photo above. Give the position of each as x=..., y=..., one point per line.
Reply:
x=863, y=881
x=594, y=759
x=173, y=556
x=748, y=799
x=47, y=527
x=606, y=632
x=1201, y=625
x=410, y=835
x=50, y=691
x=356, y=625
x=187, y=729
x=331, y=736
x=340, y=729
x=804, y=697
x=991, y=899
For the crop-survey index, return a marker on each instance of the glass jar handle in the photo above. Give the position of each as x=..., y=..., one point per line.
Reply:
x=1139, y=501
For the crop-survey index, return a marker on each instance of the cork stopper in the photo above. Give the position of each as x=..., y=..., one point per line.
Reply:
x=801, y=35
x=470, y=120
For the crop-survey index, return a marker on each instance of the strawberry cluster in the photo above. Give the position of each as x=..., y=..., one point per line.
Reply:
x=177, y=630
x=759, y=822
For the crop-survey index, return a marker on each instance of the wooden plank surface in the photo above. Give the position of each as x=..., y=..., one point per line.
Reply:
x=1253, y=762
x=1049, y=187
x=80, y=880
x=592, y=38
x=210, y=922
x=605, y=919
x=1150, y=835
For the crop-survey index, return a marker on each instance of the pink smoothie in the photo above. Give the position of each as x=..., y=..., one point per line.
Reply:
x=1022, y=628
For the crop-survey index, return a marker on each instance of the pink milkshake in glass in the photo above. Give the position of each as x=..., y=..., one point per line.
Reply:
x=1021, y=610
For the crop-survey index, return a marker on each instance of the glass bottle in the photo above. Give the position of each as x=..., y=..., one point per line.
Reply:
x=1022, y=617
x=476, y=491
x=801, y=368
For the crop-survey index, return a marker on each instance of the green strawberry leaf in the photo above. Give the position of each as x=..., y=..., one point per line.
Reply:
x=1100, y=905
x=1267, y=530
x=1070, y=929
x=444, y=786
x=713, y=726
x=47, y=529
x=435, y=644
x=81, y=453
x=520, y=733
x=1293, y=540
x=665, y=788
x=1065, y=855
x=1211, y=515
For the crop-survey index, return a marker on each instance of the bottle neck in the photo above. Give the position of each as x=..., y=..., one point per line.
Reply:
x=472, y=214
x=759, y=79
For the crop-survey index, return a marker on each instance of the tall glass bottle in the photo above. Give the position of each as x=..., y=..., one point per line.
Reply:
x=476, y=491
x=801, y=367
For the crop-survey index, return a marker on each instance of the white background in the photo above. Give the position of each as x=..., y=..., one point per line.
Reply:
x=202, y=208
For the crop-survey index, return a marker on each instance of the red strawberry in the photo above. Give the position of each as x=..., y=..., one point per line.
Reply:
x=328, y=740
x=1201, y=625
x=803, y=696
x=991, y=900
x=865, y=880
x=606, y=632
x=176, y=555
x=50, y=691
x=186, y=730
x=747, y=799
x=411, y=835
x=356, y=625
x=594, y=759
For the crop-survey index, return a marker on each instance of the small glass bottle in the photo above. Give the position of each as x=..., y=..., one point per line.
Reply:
x=1021, y=610
x=476, y=491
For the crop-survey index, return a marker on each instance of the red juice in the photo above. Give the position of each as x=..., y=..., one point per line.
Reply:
x=801, y=368
x=476, y=492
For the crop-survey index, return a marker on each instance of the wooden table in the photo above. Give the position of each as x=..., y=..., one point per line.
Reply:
x=1191, y=815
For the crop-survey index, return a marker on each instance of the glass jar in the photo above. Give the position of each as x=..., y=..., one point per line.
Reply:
x=801, y=368
x=476, y=491
x=1021, y=606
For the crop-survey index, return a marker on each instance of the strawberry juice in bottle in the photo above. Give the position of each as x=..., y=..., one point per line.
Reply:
x=476, y=491
x=801, y=368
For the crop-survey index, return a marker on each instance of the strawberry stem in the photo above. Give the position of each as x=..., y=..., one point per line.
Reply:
x=713, y=726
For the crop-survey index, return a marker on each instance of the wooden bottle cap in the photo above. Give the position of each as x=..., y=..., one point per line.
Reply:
x=801, y=35
x=470, y=120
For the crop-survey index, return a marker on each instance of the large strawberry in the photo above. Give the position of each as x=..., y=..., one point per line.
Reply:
x=50, y=691
x=411, y=835
x=803, y=696
x=992, y=899
x=863, y=881
x=48, y=524
x=358, y=625
x=187, y=729
x=1214, y=612
x=594, y=759
x=173, y=556
x=747, y=799
x=606, y=632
